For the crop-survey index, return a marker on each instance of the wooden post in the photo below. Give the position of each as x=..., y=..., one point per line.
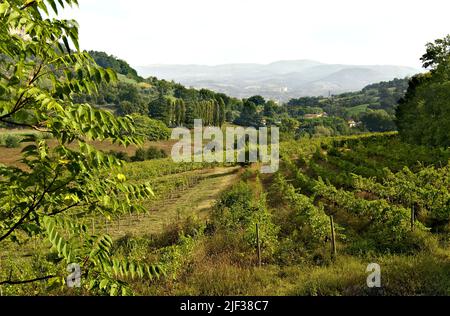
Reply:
x=413, y=215
x=333, y=238
x=258, y=245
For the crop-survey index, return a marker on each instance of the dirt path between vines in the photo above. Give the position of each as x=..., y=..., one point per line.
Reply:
x=197, y=201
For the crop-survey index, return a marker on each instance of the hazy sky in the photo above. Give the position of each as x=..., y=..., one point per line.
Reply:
x=211, y=32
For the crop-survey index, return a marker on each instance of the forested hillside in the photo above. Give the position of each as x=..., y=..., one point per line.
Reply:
x=169, y=102
x=372, y=108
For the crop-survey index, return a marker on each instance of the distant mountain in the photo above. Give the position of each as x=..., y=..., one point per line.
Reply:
x=281, y=80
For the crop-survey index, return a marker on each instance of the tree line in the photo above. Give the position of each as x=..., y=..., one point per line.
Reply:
x=178, y=112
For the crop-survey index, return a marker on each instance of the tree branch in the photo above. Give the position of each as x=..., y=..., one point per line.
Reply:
x=63, y=210
x=28, y=5
x=37, y=128
x=10, y=282
x=30, y=210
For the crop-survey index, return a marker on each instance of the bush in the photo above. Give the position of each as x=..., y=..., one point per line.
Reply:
x=120, y=155
x=12, y=141
x=140, y=155
x=149, y=154
x=155, y=153
x=152, y=129
x=239, y=209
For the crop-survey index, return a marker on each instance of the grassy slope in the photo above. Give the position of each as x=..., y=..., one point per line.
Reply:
x=194, y=201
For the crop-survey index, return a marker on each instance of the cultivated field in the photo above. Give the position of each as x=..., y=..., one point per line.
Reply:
x=201, y=225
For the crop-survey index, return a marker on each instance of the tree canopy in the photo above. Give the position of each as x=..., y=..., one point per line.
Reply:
x=118, y=65
x=423, y=115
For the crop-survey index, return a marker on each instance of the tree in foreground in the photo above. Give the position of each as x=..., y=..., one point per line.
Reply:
x=56, y=186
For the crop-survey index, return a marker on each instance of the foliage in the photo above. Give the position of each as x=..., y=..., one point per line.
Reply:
x=148, y=154
x=41, y=70
x=327, y=126
x=250, y=116
x=240, y=210
x=306, y=223
x=379, y=96
x=10, y=141
x=423, y=114
x=122, y=67
x=152, y=130
x=378, y=121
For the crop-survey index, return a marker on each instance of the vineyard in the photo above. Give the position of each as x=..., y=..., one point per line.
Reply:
x=388, y=194
x=213, y=229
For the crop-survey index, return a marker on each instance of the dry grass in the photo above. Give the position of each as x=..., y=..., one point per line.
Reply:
x=12, y=156
x=195, y=201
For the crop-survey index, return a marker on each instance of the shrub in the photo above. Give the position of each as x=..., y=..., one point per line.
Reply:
x=155, y=153
x=152, y=129
x=140, y=155
x=149, y=154
x=120, y=155
x=240, y=210
x=12, y=141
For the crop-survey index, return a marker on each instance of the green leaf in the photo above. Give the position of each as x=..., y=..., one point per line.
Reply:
x=103, y=284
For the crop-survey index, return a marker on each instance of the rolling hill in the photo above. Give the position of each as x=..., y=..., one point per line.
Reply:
x=281, y=80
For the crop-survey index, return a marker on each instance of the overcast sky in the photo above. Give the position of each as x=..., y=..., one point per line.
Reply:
x=213, y=32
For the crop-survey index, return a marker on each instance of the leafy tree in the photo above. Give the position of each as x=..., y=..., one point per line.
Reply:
x=325, y=126
x=289, y=126
x=230, y=117
x=437, y=53
x=151, y=129
x=128, y=92
x=257, y=100
x=126, y=108
x=177, y=118
x=120, y=66
x=321, y=130
x=270, y=109
x=423, y=115
x=159, y=109
x=378, y=121
x=41, y=68
x=222, y=112
x=12, y=141
x=249, y=115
